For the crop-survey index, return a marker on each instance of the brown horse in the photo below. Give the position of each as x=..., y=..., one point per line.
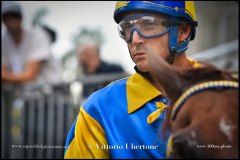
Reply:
x=203, y=116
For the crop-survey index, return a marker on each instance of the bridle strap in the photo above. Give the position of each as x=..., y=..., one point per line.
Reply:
x=198, y=88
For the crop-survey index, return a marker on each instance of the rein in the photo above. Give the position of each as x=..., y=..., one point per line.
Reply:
x=198, y=88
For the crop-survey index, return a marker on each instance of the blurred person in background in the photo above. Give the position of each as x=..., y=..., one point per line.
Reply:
x=26, y=55
x=90, y=63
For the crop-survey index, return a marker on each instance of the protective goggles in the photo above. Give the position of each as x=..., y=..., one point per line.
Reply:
x=146, y=25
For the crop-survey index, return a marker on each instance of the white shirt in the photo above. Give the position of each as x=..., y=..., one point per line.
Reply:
x=35, y=45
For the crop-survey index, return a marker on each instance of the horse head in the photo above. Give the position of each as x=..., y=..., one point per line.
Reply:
x=203, y=114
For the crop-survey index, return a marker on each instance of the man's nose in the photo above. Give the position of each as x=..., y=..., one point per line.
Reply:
x=136, y=38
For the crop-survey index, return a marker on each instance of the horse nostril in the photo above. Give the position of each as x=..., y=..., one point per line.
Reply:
x=179, y=145
x=185, y=144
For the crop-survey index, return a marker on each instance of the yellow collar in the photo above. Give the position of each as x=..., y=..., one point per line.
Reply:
x=139, y=92
x=194, y=63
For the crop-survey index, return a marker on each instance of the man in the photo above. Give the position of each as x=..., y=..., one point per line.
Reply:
x=123, y=120
x=91, y=64
x=90, y=61
x=26, y=57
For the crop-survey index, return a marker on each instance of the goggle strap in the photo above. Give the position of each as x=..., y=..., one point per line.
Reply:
x=177, y=23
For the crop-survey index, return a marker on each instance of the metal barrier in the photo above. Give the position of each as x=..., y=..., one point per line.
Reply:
x=36, y=120
x=224, y=56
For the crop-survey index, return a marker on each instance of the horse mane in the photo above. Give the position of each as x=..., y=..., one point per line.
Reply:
x=191, y=77
x=206, y=72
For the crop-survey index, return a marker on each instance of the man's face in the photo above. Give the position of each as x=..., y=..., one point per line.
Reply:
x=89, y=59
x=12, y=22
x=140, y=47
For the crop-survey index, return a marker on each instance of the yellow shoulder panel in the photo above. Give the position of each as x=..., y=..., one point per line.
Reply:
x=89, y=137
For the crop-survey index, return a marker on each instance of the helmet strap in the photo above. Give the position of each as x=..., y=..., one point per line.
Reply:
x=174, y=47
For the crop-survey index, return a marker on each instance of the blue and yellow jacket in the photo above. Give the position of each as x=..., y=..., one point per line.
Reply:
x=112, y=123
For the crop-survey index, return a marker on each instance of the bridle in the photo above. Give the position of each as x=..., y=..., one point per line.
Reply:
x=223, y=84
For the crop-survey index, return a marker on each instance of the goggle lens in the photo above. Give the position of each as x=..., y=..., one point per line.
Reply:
x=148, y=25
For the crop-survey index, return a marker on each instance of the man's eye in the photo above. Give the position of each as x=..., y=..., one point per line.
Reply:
x=147, y=24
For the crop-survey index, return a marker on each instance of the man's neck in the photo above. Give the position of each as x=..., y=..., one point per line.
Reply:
x=181, y=62
x=17, y=36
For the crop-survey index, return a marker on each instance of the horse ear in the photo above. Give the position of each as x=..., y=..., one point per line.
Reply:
x=165, y=77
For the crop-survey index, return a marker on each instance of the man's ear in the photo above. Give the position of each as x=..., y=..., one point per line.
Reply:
x=183, y=32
